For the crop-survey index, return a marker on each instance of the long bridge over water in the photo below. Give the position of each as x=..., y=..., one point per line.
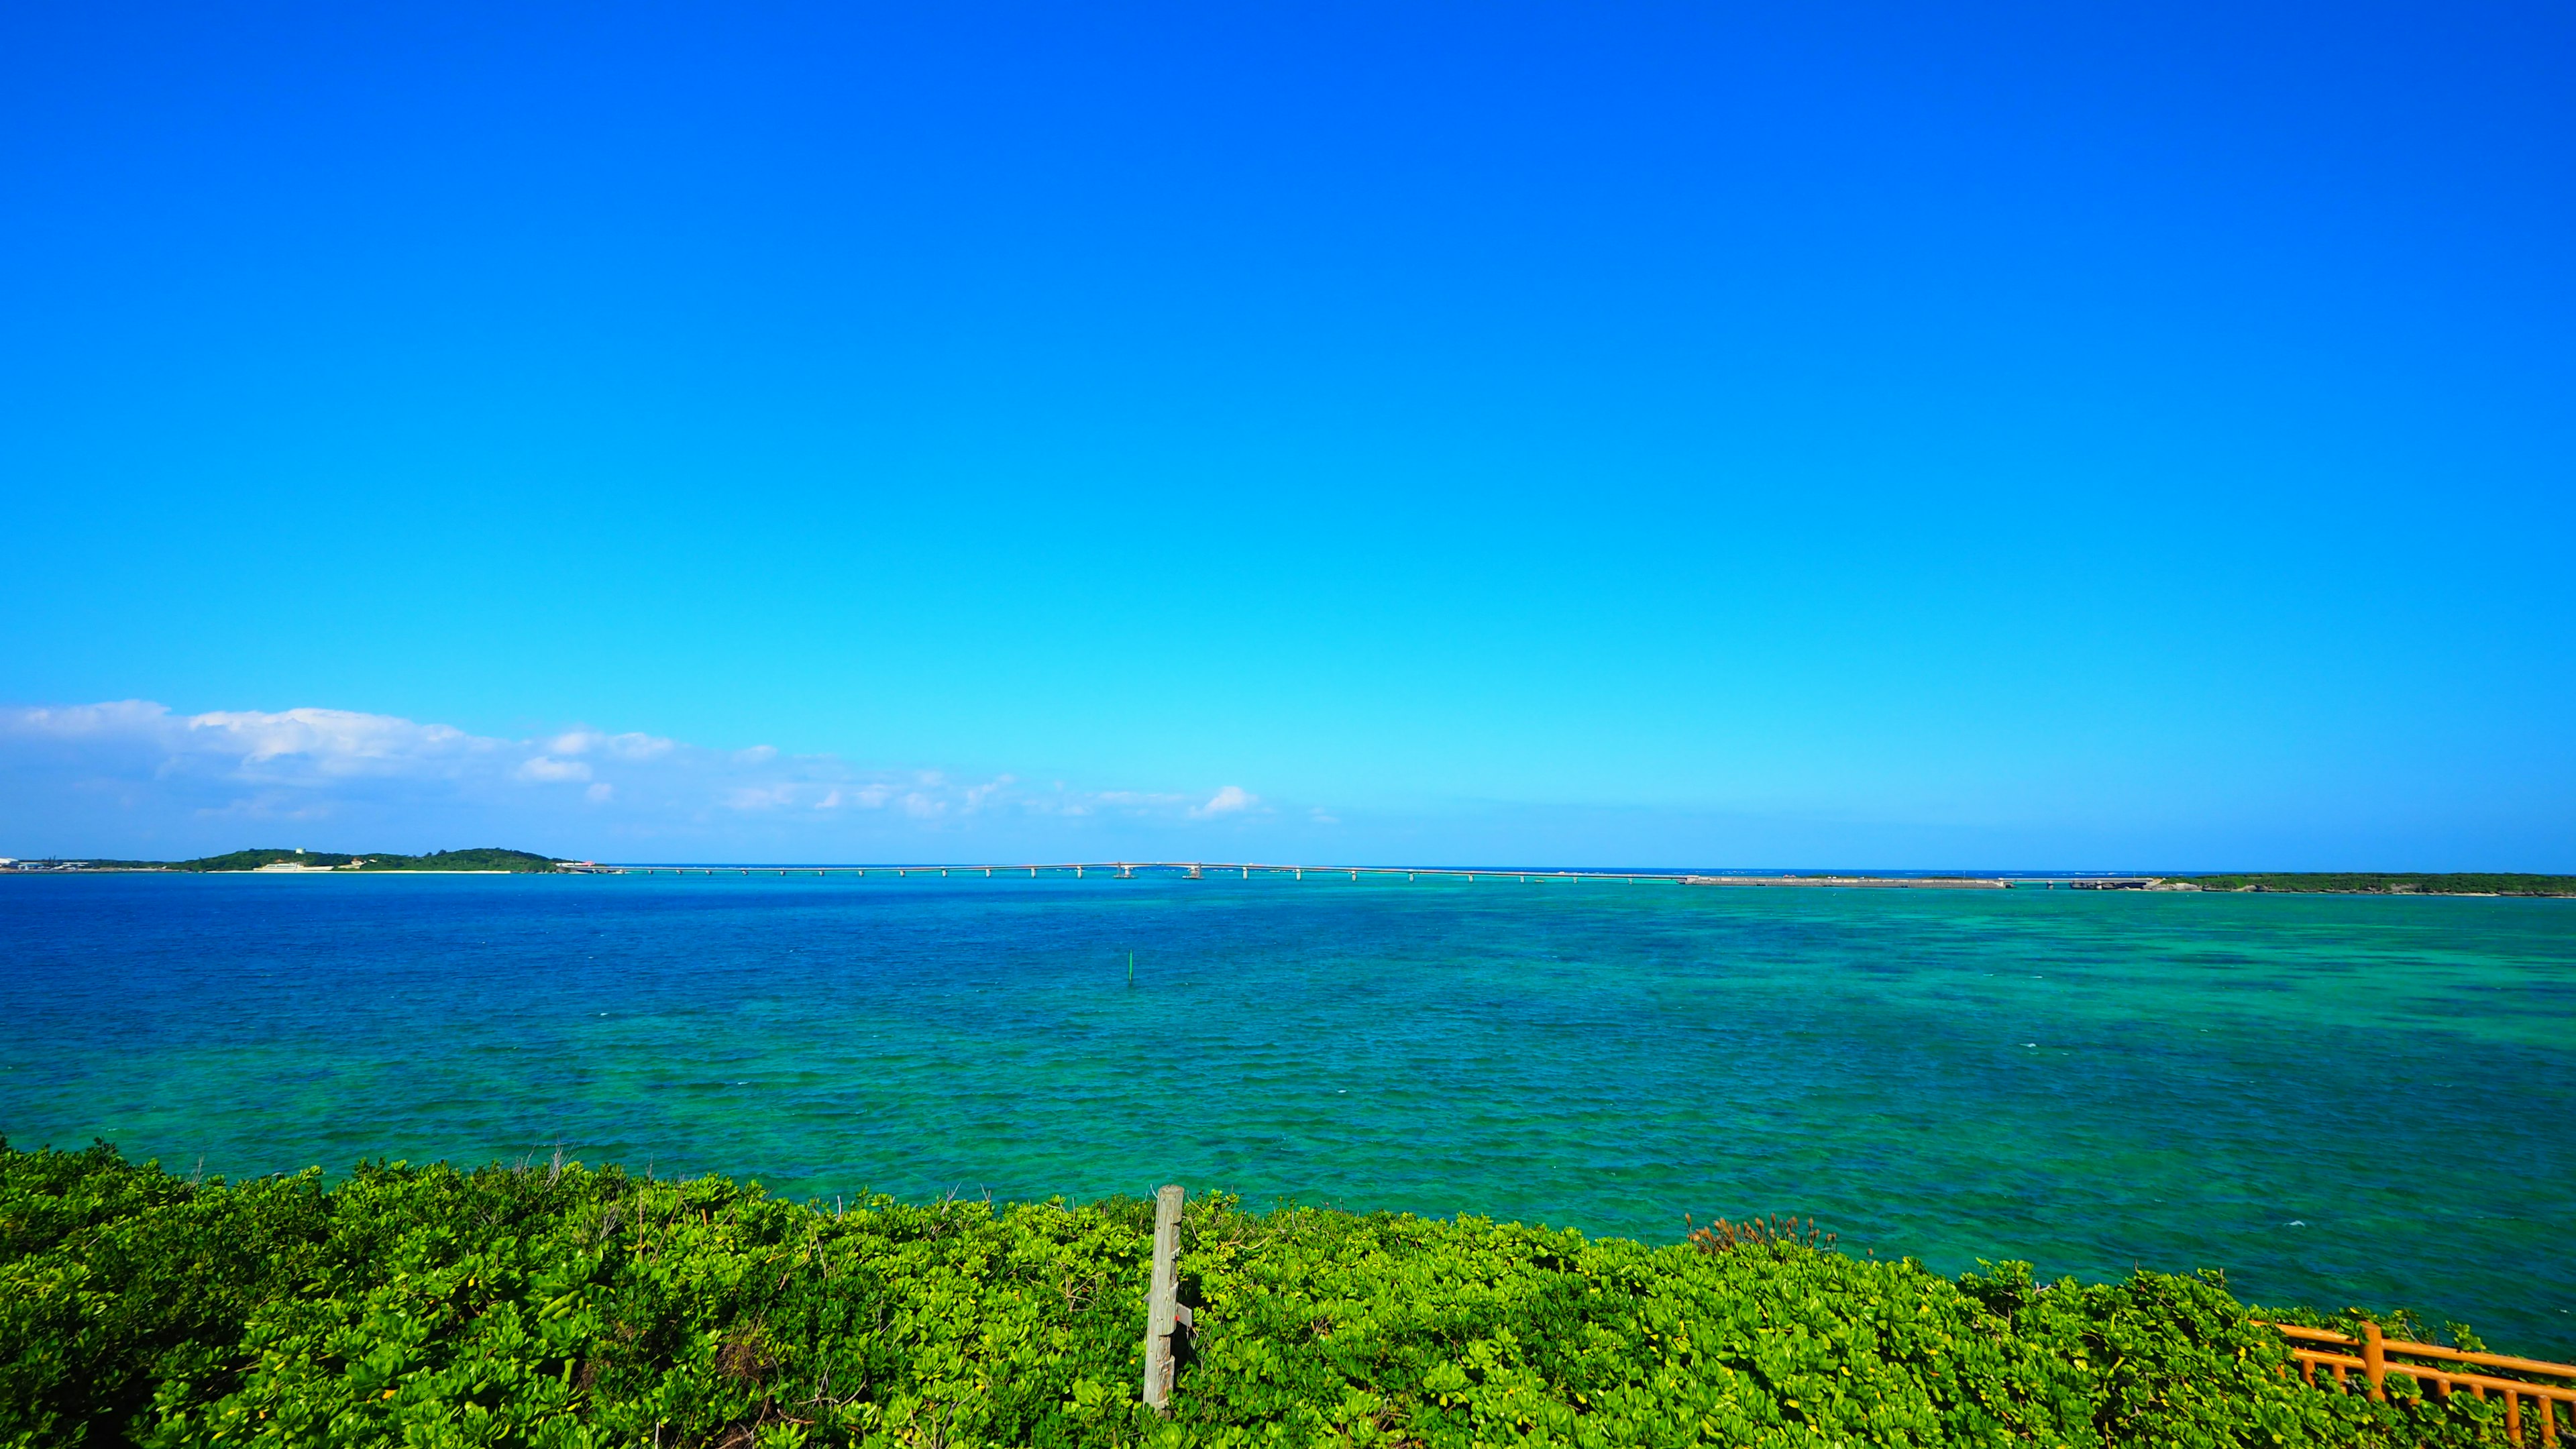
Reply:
x=1247, y=870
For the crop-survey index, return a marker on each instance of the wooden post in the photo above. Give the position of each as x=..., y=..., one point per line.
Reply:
x=1162, y=1307
x=2374, y=1362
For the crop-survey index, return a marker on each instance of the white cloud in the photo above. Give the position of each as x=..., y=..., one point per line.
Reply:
x=307, y=744
x=1135, y=799
x=87, y=720
x=109, y=777
x=1232, y=800
x=293, y=748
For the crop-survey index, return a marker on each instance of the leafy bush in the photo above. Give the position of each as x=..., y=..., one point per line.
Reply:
x=1722, y=1236
x=560, y=1306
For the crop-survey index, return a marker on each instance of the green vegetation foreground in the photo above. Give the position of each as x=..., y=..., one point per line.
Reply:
x=558, y=1306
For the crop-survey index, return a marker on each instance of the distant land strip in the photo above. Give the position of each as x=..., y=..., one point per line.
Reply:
x=495, y=860
x=2370, y=883
x=483, y=860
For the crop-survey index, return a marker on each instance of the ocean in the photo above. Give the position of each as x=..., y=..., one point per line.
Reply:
x=2335, y=1099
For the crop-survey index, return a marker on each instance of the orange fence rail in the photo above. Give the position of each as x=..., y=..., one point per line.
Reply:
x=2318, y=1348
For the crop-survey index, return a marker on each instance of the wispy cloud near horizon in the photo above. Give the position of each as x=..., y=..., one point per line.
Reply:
x=136, y=779
x=1231, y=800
x=133, y=777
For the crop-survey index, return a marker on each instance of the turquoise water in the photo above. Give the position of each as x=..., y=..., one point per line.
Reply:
x=2337, y=1099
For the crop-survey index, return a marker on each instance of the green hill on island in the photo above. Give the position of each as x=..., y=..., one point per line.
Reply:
x=480, y=858
x=2391, y=883
x=552, y=1305
x=487, y=857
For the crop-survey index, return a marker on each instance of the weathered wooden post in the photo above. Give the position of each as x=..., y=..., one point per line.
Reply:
x=1163, y=1306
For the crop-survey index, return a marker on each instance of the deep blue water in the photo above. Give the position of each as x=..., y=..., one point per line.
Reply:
x=2336, y=1099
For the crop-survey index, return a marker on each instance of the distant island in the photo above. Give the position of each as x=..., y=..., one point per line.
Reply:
x=488, y=858
x=2393, y=884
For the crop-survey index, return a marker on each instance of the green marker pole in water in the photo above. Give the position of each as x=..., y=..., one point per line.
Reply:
x=1131, y=968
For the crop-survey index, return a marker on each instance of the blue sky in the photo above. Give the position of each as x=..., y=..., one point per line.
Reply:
x=2121, y=436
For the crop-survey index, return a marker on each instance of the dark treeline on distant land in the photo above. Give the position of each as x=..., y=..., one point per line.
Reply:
x=486, y=857
x=2380, y=883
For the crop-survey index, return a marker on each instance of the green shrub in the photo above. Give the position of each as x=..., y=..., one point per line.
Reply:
x=561, y=1306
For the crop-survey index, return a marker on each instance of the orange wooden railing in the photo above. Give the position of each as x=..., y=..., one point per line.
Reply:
x=2318, y=1348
